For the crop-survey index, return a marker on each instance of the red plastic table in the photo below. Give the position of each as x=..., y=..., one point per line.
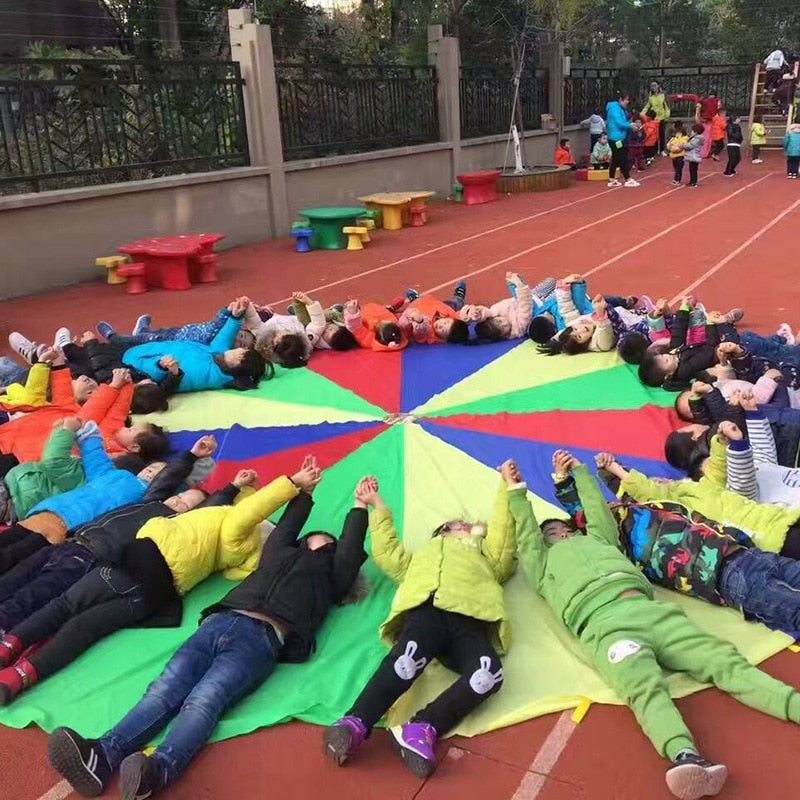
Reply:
x=167, y=258
x=479, y=187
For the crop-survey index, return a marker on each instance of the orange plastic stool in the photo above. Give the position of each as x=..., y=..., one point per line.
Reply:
x=136, y=283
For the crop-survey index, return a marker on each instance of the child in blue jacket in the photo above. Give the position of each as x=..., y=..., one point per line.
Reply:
x=791, y=146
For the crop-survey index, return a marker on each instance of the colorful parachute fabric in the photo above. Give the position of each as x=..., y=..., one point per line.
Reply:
x=431, y=423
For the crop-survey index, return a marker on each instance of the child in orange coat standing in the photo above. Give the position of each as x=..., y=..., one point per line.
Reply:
x=650, y=126
x=719, y=127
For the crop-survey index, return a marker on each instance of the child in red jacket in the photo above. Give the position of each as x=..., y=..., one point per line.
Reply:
x=563, y=156
x=650, y=126
x=719, y=127
x=428, y=320
x=374, y=326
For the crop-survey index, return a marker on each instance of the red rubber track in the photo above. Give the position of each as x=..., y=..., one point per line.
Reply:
x=655, y=240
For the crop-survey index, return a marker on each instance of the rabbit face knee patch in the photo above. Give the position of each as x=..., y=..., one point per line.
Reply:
x=483, y=680
x=406, y=666
x=622, y=649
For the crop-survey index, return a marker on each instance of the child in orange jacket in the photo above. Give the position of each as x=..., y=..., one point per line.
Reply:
x=563, y=156
x=719, y=127
x=374, y=326
x=428, y=320
x=650, y=126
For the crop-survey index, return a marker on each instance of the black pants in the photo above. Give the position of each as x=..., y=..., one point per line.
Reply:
x=792, y=165
x=773, y=79
x=16, y=544
x=756, y=148
x=460, y=643
x=677, y=166
x=717, y=146
x=693, y=167
x=791, y=547
x=651, y=151
x=594, y=138
x=734, y=157
x=105, y=600
x=619, y=161
x=662, y=137
x=40, y=578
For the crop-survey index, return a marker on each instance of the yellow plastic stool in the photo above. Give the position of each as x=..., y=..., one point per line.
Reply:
x=111, y=263
x=369, y=224
x=354, y=237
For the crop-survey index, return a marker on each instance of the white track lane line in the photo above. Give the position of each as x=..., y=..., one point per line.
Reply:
x=555, y=239
x=534, y=780
x=671, y=228
x=58, y=792
x=454, y=243
x=740, y=249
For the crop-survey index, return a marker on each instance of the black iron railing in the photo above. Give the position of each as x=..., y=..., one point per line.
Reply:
x=587, y=89
x=487, y=96
x=355, y=108
x=76, y=122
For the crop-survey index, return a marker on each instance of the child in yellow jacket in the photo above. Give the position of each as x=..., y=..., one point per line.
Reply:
x=449, y=606
x=675, y=149
x=758, y=138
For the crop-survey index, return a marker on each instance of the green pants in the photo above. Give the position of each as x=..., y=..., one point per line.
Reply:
x=633, y=638
x=331, y=314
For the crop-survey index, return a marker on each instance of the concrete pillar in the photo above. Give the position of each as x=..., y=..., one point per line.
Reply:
x=443, y=53
x=251, y=46
x=552, y=58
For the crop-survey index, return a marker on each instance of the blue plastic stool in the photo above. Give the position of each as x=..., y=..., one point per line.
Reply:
x=303, y=237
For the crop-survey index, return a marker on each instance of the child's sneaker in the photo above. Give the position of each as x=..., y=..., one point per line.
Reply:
x=631, y=183
x=10, y=649
x=343, y=738
x=29, y=351
x=613, y=182
x=338, y=307
x=291, y=310
x=461, y=289
x=692, y=777
x=81, y=762
x=415, y=742
x=62, y=339
x=142, y=325
x=104, y=329
x=675, y=183
x=784, y=330
x=16, y=679
x=412, y=295
x=140, y=777
x=734, y=315
x=758, y=160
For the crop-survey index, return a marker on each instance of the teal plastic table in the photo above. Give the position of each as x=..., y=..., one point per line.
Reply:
x=328, y=223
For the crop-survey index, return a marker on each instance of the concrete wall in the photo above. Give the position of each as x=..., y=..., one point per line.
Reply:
x=539, y=148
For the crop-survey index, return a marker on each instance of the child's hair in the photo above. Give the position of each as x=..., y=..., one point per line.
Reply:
x=459, y=332
x=650, y=372
x=651, y=114
x=489, y=331
x=148, y=398
x=564, y=343
x=388, y=333
x=290, y=351
x=757, y=118
x=685, y=453
x=632, y=347
x=678, y=128
x=683, y=396
x=249, y=371
x=569, y=522
x=152, y=443
x=563, y=142
x=697, y=128
x=541, y=329
x=342, y=339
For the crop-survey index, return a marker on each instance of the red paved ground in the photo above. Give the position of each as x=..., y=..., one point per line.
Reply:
x=654, y=239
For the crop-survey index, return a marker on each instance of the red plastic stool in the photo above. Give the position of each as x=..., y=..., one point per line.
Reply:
x=135, y=274
x=204, y=267
x=418, y=215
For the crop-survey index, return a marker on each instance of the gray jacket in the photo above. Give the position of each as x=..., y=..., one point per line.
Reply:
x=693, y=149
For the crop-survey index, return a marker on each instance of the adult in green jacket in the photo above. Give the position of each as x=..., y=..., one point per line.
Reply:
x=608, y=605
x=448, y=606
x=657, y=102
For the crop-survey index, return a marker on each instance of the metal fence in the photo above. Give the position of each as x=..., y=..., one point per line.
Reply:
x=355, y=109
x=587, y=89
x=487, y=95
x=76, y=122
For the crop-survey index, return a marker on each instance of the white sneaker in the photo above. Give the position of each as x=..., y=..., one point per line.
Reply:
x=613, y=182
x=631, y=183
x=758, y=160
x=24, y=347
x=63, y=338
x=663, y=153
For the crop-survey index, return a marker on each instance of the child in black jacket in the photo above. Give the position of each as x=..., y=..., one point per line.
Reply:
x=735, y=138
x=272, y=615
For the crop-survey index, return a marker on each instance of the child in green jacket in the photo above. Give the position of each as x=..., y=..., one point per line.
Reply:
x=607, y=604
x=449, y=605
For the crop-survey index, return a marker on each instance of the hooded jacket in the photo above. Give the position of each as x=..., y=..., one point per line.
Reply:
x=461, y=575
x=618, y=124
x=298, y=586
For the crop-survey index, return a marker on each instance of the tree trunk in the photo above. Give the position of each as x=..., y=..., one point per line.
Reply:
x=168, y=30
x=662, y=39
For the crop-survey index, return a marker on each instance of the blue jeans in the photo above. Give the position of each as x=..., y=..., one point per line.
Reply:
x=203, y=332
x=765, y=586
x=12, y=372
x=772, y=348
x=225, y=659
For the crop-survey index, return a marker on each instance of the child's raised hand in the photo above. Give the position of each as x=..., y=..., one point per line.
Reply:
x=701, y=387
x=351, y=307
x=510, y=472
x=748, y=402
x=662, y=307
x=119, y=377
x=204, y=447
x=688, y=300
x=729, y=432
x=563, y=463
x=599, y=303
x=73, y=424
x=735, y=399
x=716, y=318
x=245, y=477
x=773, y=374
x=238, y=307
x=51, y=356
x=604, y=460
x=514, y=277
x=88, y=336
x=576, y=277
x=302, y=297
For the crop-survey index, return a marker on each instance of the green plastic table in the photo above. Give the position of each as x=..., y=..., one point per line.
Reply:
x=328, y=223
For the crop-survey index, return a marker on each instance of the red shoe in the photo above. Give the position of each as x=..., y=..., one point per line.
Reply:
x=15, y=680
x=10, y=649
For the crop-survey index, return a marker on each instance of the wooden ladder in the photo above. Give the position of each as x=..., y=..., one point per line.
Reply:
x=761, y=102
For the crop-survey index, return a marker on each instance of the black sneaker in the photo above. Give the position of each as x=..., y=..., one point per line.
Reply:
x=692, y=777
x=140, y=777
x=80, y=761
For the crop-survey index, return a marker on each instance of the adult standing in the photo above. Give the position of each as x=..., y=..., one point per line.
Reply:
x=774, y=63
x=619, y=128
x=657, y=102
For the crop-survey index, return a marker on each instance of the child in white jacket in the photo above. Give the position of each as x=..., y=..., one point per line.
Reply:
x=506, y=319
